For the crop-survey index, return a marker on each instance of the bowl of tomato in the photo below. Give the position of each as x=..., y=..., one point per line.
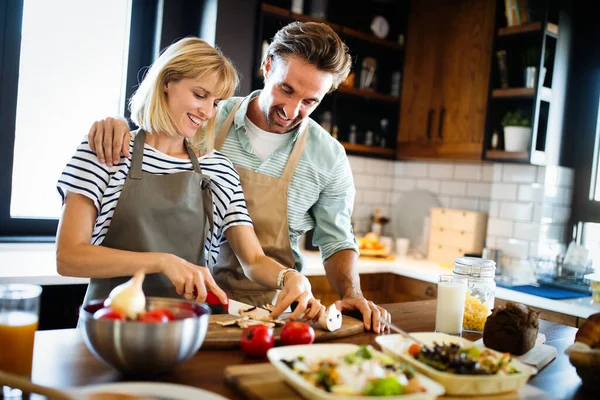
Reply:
x=167, y=333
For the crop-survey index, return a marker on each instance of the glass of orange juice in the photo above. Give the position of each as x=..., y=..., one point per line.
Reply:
x=19, y=313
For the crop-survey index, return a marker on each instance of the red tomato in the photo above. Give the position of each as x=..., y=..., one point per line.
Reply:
x=166, y=312
x=156, y=316
x=257, y=340
x=297, y=333
x=109, y=313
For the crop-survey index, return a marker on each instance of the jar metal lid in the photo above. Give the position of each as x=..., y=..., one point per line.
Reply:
x=475, y=267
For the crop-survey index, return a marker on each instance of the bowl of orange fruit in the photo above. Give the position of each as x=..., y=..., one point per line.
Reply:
x=370, y=246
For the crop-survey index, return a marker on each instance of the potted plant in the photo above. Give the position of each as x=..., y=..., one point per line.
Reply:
x=517, y=131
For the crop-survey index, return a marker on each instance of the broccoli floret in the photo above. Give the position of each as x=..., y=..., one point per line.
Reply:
x=384, y=387
x=364, y=352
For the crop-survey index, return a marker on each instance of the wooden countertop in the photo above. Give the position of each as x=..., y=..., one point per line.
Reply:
x=61, y=359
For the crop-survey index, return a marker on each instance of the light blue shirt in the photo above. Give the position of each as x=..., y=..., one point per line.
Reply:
x=321, y=193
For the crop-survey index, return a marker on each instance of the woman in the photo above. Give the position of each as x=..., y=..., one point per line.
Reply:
x=164, y=210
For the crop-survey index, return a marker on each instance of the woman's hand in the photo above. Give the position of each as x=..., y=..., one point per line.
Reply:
x=186, y=277
x=296, y=288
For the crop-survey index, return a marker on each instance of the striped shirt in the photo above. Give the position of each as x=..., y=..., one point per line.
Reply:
x=321, y=193
x=103, y=185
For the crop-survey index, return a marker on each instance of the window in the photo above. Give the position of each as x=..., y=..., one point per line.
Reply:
x=72, y=72
x=66, y=64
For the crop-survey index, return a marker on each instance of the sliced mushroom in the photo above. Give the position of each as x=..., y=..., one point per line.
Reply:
x=331, y=319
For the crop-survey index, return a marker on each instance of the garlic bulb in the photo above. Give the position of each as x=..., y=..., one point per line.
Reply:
x=128, y=297
x=331, y=319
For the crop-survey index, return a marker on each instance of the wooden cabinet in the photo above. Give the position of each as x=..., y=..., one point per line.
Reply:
x=446, y=84
x=419, y=91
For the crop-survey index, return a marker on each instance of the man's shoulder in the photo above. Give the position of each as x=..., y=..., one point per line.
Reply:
x=323, y=145
x=225, y=107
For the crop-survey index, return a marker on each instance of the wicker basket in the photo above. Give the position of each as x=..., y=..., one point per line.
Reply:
x=587, y=365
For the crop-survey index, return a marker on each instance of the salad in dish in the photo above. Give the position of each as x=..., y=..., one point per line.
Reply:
x=461, y=360
x=365, y=372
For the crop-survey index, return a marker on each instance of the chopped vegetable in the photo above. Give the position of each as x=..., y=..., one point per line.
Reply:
x=362, y=372
x=384, y=387
x=455, y=359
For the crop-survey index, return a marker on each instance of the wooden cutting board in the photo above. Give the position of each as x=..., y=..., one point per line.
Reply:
x=264, y=382
x=228, y=337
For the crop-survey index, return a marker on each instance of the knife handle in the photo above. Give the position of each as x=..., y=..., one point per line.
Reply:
x=215, y=304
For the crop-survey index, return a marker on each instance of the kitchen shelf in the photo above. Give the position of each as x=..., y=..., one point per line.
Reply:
x=513, y=93
x=282, y=12
x=524, y=93
x=551, y=29
x=362, y=148
x=507, y=155
x=370, y=94
x=371, y=38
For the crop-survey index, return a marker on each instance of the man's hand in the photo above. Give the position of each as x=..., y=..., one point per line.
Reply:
x=296, y=288
x=371, y=312
x=109, y=138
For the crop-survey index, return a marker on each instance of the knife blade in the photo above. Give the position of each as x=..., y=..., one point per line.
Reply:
x=235, y=306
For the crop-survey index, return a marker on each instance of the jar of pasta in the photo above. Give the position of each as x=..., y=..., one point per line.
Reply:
x=481, y=290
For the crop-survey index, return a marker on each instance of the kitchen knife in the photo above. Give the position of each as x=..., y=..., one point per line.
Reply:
x=235, y=306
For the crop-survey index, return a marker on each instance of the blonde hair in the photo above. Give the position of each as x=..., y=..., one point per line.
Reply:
x=189, y=58
x=316, y=43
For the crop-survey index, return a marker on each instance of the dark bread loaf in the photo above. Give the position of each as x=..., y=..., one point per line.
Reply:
x=511, y=328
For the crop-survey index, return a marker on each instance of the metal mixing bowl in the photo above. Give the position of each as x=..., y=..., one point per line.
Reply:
x=138, y=348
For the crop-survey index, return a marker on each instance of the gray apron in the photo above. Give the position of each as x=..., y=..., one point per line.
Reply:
x=267, y=203
x=171, y=213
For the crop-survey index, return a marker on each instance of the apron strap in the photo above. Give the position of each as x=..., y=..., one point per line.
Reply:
x=207, y=201
x=135, y=172
x=222, y=134
x=193, y=157
x=296, y=154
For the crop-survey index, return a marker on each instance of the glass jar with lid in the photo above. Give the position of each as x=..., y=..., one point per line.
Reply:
x=481, y=290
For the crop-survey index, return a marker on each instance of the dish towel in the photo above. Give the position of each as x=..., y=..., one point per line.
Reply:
x=548, y=292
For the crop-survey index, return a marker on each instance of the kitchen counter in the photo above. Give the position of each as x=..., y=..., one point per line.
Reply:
x=61, y=359
x=35, y=263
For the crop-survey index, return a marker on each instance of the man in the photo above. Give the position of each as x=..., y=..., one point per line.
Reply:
x=294, y=175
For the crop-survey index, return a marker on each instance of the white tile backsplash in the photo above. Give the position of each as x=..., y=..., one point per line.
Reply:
x=516, y=211
x=492, y=173
x=453, y=188
x=504, y=191
x=384, y=182
x=441, y=171
x=429, y=184
x=527, y=231
x=482, y=190
x=519, y=173
x=357, y=164
x=500, y=227
x=416, y=169
x=463, y=203
x=468, y=172
x=380, y=167
x=531, y=192
x=404, y=184
x=528, y=206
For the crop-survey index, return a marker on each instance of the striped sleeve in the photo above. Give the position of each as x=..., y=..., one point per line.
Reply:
x=332, y=212
x=84, y=175
x=237, y=213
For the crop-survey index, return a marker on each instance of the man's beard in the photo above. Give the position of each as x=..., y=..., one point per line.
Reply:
x=271, y=121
